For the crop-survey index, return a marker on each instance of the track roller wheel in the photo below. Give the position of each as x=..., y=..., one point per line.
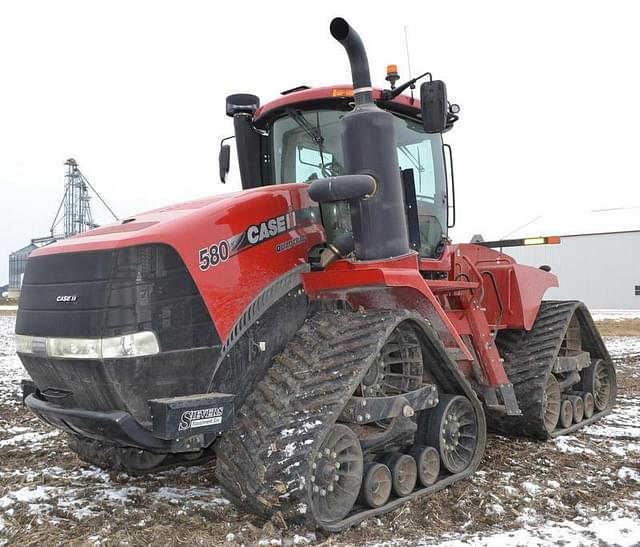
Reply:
x=589, y=404
x=578, y=407
x=566, y=413
x=404, y=473
x=599, y=378
x=428, y=463
x=336, y=474
x=376, y=486
x=551, y=403
x=453, y=429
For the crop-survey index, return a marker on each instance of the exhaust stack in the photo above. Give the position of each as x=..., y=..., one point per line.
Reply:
x=360, y=74
x=369, y=144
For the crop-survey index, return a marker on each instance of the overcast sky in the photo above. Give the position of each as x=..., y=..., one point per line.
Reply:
x=135, y=92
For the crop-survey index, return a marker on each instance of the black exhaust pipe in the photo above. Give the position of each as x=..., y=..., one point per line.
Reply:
x=379, y=220
x=360, y=74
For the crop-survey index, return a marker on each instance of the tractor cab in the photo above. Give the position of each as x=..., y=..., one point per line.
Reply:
x=297, y=138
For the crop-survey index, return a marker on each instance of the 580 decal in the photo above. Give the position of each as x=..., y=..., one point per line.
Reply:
x=217, y=253
x=213, y=255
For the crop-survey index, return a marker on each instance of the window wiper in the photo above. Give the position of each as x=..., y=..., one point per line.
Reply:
x=303, y=123
x=311, y=131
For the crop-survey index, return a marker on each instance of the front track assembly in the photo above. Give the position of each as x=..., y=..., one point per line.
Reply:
x=342, y=428
x=134, y=461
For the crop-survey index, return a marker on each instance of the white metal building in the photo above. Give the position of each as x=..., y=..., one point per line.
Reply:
x=597, y=261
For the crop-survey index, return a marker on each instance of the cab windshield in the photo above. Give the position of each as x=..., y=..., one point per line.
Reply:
x=306, y=146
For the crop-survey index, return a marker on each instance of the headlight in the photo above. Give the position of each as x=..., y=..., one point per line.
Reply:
x=24, y=343
x=129, y=345
x=74, y=348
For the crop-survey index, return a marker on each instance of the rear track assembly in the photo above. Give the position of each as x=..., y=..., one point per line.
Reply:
x=542, y=391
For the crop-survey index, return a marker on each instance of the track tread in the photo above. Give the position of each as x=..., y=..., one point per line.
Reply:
x=263, y=462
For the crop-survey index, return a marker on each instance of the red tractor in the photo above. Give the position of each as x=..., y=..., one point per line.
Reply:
x=317, y=331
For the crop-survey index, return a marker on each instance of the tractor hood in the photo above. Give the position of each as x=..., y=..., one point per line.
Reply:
x=144, y=227
x=232, y=247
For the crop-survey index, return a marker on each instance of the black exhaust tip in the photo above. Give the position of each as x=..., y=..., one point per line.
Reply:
x=339, y=28
x=352, y=43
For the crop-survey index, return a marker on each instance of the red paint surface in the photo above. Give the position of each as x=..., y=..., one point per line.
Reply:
x=228, y=288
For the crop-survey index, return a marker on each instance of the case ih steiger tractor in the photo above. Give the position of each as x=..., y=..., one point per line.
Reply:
x=318, y=331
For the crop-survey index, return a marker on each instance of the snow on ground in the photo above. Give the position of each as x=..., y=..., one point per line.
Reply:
x=614, y=315
x=581, y=489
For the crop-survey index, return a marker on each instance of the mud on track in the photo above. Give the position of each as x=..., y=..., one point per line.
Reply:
x=582, y=490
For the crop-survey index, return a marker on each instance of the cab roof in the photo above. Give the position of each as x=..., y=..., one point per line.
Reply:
x=324, y=96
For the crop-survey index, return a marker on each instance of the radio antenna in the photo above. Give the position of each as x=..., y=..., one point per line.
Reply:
x=406, y=45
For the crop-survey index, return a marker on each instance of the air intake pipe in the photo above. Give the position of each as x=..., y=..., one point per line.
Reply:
x=369, y=145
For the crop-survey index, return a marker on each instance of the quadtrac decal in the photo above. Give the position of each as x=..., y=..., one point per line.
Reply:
x=221, y=251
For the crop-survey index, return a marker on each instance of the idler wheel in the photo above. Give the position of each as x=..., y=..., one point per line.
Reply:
x=428, y=463
x=599, y=378
x=376, y=486
x=336, y=474
x=551, y=403
x=404, y=473
x=452, y=428
x=566, y=413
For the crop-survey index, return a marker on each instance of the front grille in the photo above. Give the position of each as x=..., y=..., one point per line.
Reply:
x=115, y=292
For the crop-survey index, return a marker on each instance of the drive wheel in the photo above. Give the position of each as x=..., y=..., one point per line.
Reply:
x=336, y=474
x=551, y=403
x=453, y=429
x=599, y=379
x=399, y=367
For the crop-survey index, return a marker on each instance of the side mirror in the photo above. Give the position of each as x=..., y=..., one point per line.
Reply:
x=242, y=103
x=224, y=159
x=433, y=101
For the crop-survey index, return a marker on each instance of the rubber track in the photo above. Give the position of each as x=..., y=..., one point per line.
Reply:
x=263, y=463
x=529, y=357
x=108, y=456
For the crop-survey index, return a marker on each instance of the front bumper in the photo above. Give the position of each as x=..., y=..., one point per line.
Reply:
x=120, y=428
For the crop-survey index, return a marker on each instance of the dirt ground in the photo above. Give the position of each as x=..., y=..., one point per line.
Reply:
x=623, y=327
x=582, y=489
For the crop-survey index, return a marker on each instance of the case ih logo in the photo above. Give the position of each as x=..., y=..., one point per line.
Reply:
x=200, y=418
x=67, y=298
